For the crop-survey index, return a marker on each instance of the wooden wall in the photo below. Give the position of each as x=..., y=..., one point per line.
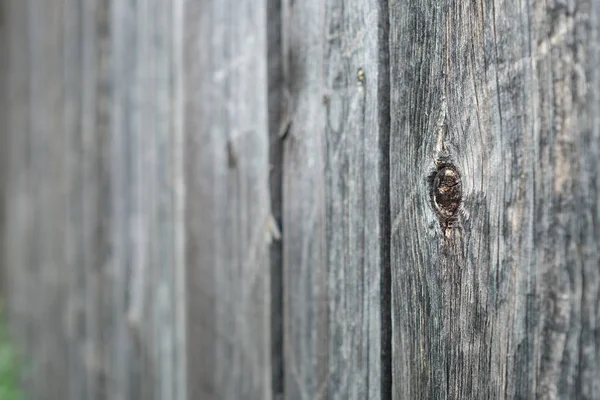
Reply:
x=319, y=199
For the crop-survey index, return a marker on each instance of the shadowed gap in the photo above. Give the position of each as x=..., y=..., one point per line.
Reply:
x=384, y=208
x=276, y=104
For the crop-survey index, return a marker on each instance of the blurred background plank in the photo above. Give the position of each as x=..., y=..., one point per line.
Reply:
x=91, y=263
x=228, y=219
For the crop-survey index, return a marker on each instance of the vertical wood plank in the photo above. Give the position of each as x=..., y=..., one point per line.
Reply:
x=333, y=198
x=144, y=264
x=228, y=222
x=494, y=299
x=306, y=309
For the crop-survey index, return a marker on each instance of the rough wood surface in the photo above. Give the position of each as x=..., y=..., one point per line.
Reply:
x=228, y=220
x=302, y=199
x=335, y=74
x=498, y=299
x=89, y=255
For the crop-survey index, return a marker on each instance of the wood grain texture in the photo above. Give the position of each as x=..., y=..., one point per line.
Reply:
x=335, y=74
x=499, y=301
x=228, y=220
x=89, y=246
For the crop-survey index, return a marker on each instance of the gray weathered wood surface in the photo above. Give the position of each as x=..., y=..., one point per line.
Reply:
x=335, y=76
x=90, y=260
x=259, y=199
x=228, y=220
x=503, y=301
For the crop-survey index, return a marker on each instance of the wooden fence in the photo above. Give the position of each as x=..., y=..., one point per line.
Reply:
x=317, y=199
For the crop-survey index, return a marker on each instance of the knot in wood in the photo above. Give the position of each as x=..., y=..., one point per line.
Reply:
x=446, y=191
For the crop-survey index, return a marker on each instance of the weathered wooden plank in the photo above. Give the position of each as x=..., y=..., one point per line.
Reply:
x=93, y=273
x=144, y=262
x=305, y=280
x=228, y=220
x=333, y=199
x=497, y=298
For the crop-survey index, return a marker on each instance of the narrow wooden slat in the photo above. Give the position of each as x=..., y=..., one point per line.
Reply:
x=495, y=299
x=228, y=223
x=333, y=195
x=144, y=262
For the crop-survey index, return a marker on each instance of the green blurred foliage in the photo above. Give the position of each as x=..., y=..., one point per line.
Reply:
x=9, y=371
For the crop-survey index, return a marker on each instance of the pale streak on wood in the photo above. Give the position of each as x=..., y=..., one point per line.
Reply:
x=504, y=306
x=227, y=199
x=180, y=383
x=333, y=185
